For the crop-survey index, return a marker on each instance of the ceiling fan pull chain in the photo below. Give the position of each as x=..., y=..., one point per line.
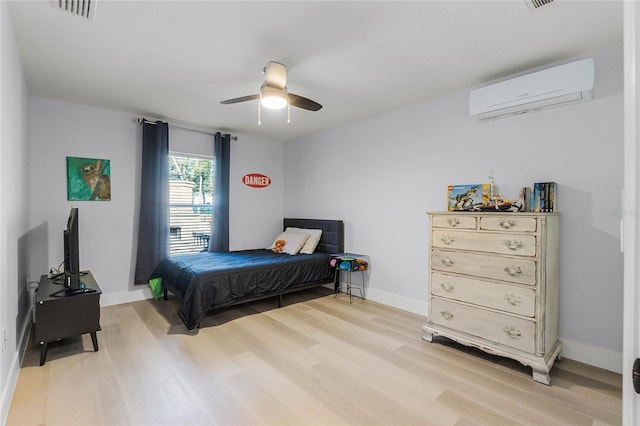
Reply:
x=288, y=113
x=259, y=120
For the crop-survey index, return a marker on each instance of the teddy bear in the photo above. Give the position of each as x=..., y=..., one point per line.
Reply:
x=279, y=246
x=361, y=265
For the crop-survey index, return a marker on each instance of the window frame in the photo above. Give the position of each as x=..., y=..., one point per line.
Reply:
x=200, y=239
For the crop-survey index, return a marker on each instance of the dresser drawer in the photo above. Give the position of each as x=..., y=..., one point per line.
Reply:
x=490, y=242
x=505, y=297
x=454, y=221
x=503, y=268
x=505, y=329
x=509, y=223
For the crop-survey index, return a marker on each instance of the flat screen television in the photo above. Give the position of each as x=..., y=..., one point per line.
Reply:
x=71, y=252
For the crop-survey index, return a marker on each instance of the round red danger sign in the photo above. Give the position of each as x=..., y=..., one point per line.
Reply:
x=256, y=180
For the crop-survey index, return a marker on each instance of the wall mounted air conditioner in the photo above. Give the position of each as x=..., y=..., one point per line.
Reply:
x=552, y=87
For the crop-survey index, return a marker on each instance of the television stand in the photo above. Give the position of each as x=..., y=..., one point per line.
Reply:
x=65, y=315
x=68, y=291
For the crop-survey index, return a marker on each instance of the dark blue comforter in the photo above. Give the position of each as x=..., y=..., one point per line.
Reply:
x=206, y=281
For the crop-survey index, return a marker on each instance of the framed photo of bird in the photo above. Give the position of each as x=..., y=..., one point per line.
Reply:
x=88, y=179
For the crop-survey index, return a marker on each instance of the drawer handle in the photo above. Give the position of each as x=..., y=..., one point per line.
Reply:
x=512, y=299
x=454, y=221
x=512, y=332
x=446, y=315
x=447, y=287
x=507, y=223
x=447, y=239
x=447, y=261
x=513, y=270
x=513, y=244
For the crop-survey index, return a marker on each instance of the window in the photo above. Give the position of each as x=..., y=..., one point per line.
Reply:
x=190, y=200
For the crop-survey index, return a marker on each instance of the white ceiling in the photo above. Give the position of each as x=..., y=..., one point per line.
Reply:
x=177, y=60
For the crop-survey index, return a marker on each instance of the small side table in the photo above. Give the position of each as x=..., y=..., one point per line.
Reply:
x=349, y=263
x=63, y=317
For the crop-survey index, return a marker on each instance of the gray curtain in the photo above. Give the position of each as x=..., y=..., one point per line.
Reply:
x=153, y=234
x=219, y=240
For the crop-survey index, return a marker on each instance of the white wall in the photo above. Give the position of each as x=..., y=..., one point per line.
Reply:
x=60, y=129
x=14, y=207
x=108, y=229
x=381, y=175
x=255, y=213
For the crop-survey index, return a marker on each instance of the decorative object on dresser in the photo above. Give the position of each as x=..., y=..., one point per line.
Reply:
x=477, y=197
x=464, y=197
x=494, y=284
x=543, y=197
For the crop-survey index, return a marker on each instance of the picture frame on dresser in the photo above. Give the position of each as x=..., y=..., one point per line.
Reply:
x=493, y=284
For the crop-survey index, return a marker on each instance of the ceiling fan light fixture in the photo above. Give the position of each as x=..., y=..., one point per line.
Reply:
x=274, y=94
x=273, y=98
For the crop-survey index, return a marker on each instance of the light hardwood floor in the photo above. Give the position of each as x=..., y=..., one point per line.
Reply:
x=317, y=361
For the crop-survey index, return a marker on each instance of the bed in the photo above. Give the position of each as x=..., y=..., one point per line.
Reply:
x=205, y=281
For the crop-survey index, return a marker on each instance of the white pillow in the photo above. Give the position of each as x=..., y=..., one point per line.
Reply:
x=314, y=238
x=293, y=241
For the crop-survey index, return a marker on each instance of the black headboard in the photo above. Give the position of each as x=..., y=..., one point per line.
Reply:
x=332, y=238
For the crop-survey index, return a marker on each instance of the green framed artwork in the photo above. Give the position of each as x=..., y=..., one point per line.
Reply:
x=88, y=179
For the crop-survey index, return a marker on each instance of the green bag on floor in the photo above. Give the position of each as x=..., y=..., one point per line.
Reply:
x=156, y=287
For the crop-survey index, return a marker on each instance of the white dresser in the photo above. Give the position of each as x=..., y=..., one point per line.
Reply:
x=494, y=284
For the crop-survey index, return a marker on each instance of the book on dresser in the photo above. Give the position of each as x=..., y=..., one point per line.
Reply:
x=545, y=197
x=493, y=284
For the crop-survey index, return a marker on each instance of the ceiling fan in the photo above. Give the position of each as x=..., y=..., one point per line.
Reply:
x=273, y=92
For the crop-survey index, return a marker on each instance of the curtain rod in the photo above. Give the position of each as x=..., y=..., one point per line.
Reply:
x=141, y=120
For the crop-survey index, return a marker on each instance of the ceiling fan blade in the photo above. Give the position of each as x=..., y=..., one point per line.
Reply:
x=275, y=75
x=240, y=99
x=304, y=103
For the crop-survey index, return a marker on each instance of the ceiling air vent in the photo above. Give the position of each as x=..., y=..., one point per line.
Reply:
x=538, y=3
x=82, y=8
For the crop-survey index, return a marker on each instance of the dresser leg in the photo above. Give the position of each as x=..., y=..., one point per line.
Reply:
x=43, y=352
x=94, y=340
x=541, y=376
x=427, y=336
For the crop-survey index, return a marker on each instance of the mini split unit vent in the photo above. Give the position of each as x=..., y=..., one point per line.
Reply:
x=553, y=87
x=82, y=8
x=538, y=3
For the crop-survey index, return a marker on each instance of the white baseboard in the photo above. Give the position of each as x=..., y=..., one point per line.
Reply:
x=419, y=307
x=586, y=354
x=9, y=386
x=592, y=355
x=120, y=297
